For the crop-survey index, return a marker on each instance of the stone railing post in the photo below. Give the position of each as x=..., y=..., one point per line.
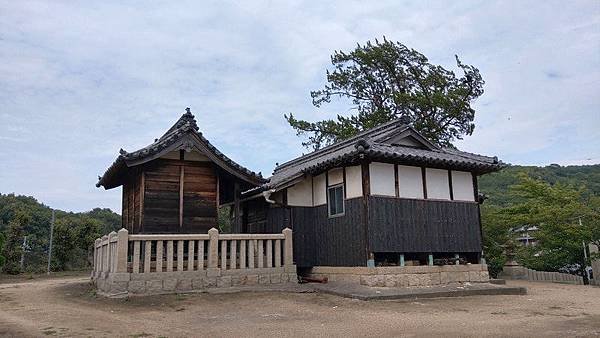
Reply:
x=96, y=261
x=288, y=253
x=122, y=246
x=105, y=256
x=111, y=260
x=213, y=248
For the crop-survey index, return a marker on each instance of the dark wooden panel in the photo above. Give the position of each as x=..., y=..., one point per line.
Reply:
x=406, y=225
x=321, y=240
x=199, y=197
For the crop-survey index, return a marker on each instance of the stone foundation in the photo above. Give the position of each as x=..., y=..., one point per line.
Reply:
x=405, y=276
x=132, y=284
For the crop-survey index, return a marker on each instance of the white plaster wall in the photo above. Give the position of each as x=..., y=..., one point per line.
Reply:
x=410, y=181
x=437, y=183
x=353, y=182
x=462, y=186
x=319, y=191
x=336, y=176
x=382, y=179
x=300, y=194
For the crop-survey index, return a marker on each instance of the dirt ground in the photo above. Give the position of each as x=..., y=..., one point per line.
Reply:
x=67, y=306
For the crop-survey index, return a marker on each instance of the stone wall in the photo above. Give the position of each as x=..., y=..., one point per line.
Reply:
x=405, y=276
x=132, y=284
x=517, y=272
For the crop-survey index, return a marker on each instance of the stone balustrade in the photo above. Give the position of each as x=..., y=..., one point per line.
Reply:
x=149, y=264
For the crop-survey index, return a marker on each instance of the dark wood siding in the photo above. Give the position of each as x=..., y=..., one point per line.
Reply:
x=320, y=239
x=407, y=225
x=162, y=192
x=199, y=197
x=161, y=199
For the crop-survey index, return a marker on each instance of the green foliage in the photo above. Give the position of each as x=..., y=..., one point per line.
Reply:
x=386, y=80
x=555, y=209
x=73, y=236
x=2, y=259
x=496, y=185
x=12, y=249
x=224, y=219
x=496, y=235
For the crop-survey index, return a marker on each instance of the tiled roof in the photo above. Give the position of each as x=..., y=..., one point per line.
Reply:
x=373, y=144
x=185, y=126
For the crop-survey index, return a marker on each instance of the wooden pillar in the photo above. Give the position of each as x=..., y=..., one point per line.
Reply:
x=366, y=185
x=237, y=221
x=181, y=177
x=142, y=189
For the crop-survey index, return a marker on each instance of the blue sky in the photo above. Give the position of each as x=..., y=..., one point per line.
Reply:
x=79, y=80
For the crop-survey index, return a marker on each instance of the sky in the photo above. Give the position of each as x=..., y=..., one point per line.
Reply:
x=80, y=80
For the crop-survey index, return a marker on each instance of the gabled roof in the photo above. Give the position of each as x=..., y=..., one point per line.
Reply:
x=184, y=134
x=383, y=143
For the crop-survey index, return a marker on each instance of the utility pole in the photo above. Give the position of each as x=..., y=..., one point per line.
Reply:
x=51, y=235
x=587, y=272
x=23, y=248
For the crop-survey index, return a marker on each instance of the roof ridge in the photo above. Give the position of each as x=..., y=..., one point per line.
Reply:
x=340, y=143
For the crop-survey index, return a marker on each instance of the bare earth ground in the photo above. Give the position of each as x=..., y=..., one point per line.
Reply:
x=66, y=306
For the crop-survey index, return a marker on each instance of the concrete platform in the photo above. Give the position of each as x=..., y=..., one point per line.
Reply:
x=352, y=290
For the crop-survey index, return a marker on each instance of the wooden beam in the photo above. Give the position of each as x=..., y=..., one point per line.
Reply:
x=396, y=181
x=236, y=207
x=181, y=177
x=450, y=185
x=366, y=185
x=142, y=189
x=424, y=179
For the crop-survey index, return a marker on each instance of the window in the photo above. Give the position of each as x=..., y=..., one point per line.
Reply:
x=335, y=200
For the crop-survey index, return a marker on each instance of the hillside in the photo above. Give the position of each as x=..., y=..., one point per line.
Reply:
x=496, y=185
x=78, y=227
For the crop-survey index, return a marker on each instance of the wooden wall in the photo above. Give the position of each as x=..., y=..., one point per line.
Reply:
x=131, y=214
x=199, y=197
x=395, y=225
x=171, y=196
x=320, y=239
x=425, y=226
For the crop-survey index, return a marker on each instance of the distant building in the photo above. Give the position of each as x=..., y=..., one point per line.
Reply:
x=526, y=234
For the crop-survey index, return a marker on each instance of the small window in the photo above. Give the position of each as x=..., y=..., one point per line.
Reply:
x=335, y=200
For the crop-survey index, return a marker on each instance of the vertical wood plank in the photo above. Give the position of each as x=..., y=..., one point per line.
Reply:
x=181, y=176
x=191, y=248
x=269, y=253
x=142, y=185
x=260, y=256
x=169, y=256
x=136, y=257
x=233, y=255
x=147, y=256
x=236, y=208
x=159, y=256
x=277, y=253
x=243, y=254
x=223, y=255
x=251, y=254
x=201, y=255
x=179, y=255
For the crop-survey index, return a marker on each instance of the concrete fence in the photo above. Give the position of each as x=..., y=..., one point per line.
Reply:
x=555, y=277
x=145, y=264
x=523, y=273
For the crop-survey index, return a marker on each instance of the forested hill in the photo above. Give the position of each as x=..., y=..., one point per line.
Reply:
x=496, y=185
x=22, y=216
